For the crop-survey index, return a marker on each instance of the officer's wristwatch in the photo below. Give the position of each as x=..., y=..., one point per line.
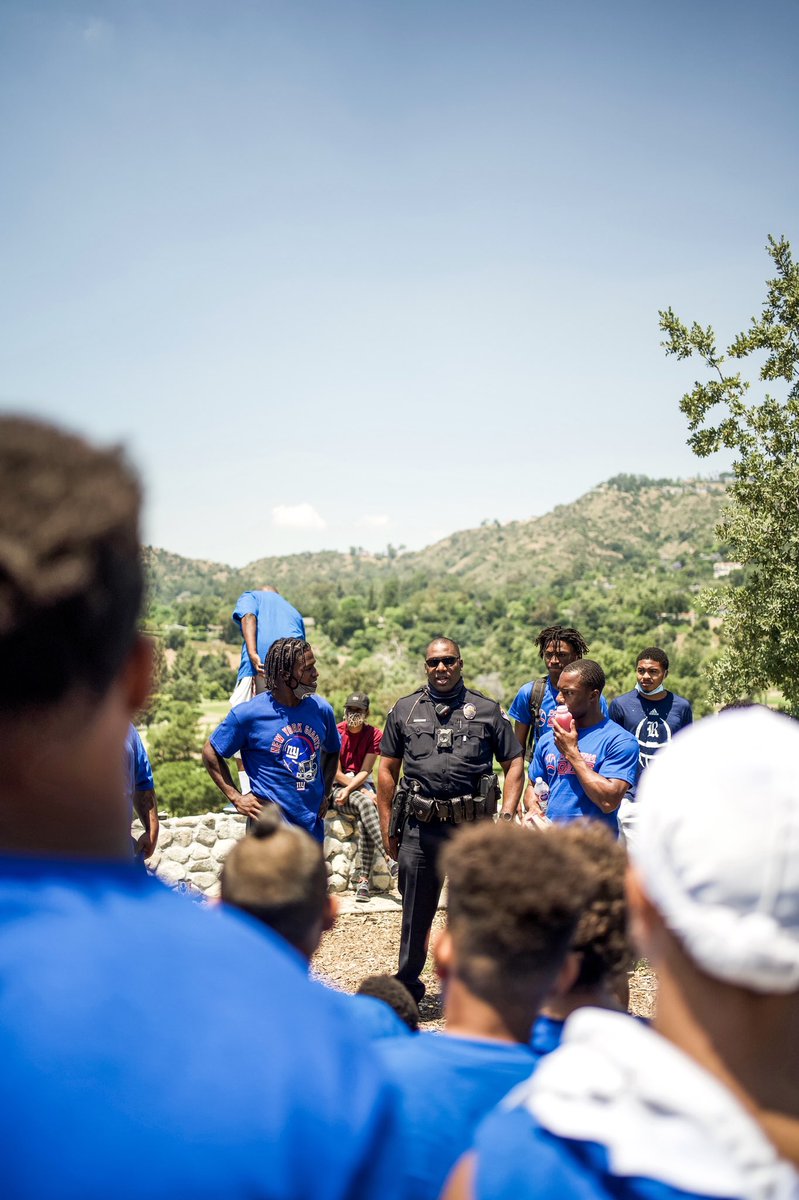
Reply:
x=506, y=816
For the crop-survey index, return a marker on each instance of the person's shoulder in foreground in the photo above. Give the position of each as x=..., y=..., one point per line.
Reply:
x=148, y=1047
x=685, y=1108
x=638, y=1120
x=152, y=1023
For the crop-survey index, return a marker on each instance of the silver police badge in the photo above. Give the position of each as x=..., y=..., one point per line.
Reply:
x=469, y=711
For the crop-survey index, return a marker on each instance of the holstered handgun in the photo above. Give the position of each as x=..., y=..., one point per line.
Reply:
x=489, y=794
x=399, y=811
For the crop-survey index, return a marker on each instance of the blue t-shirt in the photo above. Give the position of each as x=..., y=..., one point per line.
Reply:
x=281, y=749
x=373, y=1017
x=607, y=748
x=518, y=1160
x=275, y=618
x=546, y=1036
x=447, y=1085
x=152, y=1048
x=652, y=722
x=138, y=775
x=520, y=709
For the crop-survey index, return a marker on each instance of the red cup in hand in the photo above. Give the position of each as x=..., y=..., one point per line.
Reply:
x=563, y=717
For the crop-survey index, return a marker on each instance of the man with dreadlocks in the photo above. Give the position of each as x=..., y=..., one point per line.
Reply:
x=288, y=739
x=558, y=646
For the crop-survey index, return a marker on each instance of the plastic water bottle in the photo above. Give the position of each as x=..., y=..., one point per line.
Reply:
x=541, y=789
x=563, y=717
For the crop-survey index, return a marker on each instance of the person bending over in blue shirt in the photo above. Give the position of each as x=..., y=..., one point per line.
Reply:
x=496, y=962
x=705, y=1103
x=148, y=1047
x=601, y=952
x=589, y=766
x=277, y=875
x=288, y=740
x=652, y=715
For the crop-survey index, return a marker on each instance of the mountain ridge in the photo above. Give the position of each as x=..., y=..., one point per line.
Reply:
x=626, y=520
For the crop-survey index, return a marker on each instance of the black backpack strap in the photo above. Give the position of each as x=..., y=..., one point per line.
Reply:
x=536, y=699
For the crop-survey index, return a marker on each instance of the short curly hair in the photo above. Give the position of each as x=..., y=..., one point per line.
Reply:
x=511, y=953
x=601, y=936
x=71, y=577
x=394, y=994
x=589, y=673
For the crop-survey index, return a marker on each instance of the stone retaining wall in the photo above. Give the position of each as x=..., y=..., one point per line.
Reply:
x=191, y=851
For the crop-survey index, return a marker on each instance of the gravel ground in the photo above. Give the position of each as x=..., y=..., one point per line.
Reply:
x=362, y=944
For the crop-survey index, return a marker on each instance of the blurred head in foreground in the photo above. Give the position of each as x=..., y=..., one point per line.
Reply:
x=277, y=874
x=500, y=956
x=73, y=669
x=714, y=883
x=601, y=950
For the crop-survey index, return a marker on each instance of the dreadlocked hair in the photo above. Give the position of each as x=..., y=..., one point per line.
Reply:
x=281, y=660
x=561, y=633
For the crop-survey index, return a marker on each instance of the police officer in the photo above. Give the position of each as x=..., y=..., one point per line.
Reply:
x=445, y=737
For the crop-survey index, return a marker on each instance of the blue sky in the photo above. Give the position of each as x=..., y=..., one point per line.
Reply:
x=356, y=273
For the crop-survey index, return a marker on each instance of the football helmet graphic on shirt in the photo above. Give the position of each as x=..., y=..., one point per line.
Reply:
x=299, y=758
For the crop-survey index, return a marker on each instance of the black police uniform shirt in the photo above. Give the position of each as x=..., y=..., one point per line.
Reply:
x=480, y=733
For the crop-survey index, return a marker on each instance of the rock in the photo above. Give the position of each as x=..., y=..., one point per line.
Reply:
x=214, y=890
x=164, y=837
x=205, y=836
x=341, y=865
x=171, y=872
x=220, y=851
x=197, y=850
x=154, y=859
x=203, y=880
x=203, y=866
x=332, y=846
x=340, y=828
x=336, y=883
x=178, y=854
x=182, y=836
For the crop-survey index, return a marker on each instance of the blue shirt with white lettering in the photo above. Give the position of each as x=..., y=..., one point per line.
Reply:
x=652, y=723
x=281, y=748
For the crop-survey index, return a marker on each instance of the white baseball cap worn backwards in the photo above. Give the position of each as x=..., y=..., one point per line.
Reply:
x=718, y=846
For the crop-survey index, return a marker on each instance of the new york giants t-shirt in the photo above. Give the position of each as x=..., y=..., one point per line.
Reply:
x=607, y=748
x=281, y=749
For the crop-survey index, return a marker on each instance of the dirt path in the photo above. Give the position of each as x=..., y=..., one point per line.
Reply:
x=364, y=944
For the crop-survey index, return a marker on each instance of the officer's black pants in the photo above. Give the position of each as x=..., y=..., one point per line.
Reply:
x=420, y=886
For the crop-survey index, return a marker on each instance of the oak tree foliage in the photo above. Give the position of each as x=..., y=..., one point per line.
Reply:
x=760, y=522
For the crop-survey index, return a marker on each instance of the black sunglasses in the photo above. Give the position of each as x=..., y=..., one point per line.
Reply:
x=446, y=660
